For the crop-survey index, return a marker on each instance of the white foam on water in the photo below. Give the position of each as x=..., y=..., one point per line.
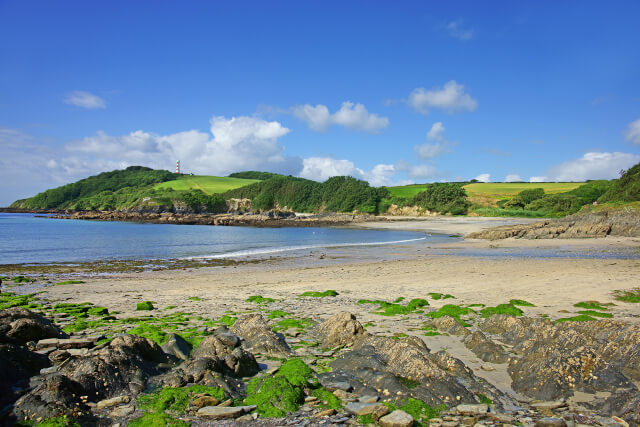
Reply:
x=267, y=251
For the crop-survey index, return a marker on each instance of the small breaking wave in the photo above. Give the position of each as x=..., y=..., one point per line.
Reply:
x=267, y=251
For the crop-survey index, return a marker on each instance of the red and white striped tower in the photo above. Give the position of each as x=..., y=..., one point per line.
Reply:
x=177, y=166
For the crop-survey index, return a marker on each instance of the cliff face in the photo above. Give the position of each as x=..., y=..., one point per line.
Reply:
x=619, y=222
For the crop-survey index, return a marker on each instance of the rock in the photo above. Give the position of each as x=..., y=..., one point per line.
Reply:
x=259, y=338
x=397, y=418
x=406, y=368
x=340, y=385
x=121, y=368
x=362, y=408
x=230, y=359
x=449, y=325
x=551, y=422
x=379, y=412
x=65, y=343
x=340, y=329
x=203, y=401
x=177, y=346
x=485, y=349
x=121, y=411
x=325, y=413
x=368, y=399
x=17, y=365
x=548, y=405
x=219, y=413
x=107, y=403
x=472, y=409
x=19, y=326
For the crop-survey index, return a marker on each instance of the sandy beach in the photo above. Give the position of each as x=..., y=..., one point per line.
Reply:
x=554, y=285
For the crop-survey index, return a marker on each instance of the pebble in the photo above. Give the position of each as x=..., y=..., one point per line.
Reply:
x=219, y=413
x=203, y=401
x=550, y=422
x=107, y=403
x=473, y=409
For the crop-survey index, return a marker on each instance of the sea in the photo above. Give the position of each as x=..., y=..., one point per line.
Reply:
x=30, y=239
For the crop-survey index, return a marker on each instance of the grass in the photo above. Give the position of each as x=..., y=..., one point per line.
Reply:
x=580, y=318
x=316, y=294
x=407, y=382
x=144, y=306
x=392, y=309
x=194, y=299
x=454, y=311
x=632, y=295
x=521, y=303
x=596, y=314
x=508, y=309
x=70, y=282
x=507, y=190
x=420, y=411
x=258, y=299
x=508, y=213
x=22, y=279
x=284, y=324
x=277, y=313
x=484, y=399
x=207, y=184
x=591, y=305
x=438, y=296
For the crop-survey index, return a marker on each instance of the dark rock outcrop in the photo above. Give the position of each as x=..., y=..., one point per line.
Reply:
x=19, y=326
x=485, y=348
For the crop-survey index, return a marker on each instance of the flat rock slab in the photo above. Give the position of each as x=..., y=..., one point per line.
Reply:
x=397, y=418
x=551, y=422
x=65, y=343
x=219, y=413
x=362, y=408
x=473, y=409
x=107, y=403
x=339, y=385
x=555, y=404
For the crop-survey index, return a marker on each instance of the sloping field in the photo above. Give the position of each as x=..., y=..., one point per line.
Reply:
x=208, y=184
x=506, y=190
x=494, y=190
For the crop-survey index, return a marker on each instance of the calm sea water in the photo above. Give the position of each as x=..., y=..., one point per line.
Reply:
x=25, y=238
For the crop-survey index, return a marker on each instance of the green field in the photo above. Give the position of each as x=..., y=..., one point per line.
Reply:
x=506, y=190
x=496, y=190
x=208, y=184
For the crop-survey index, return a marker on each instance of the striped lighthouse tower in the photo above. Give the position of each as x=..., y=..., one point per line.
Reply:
x=178, y=166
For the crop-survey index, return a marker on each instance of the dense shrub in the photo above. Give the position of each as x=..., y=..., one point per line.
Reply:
x=106, y=182
x=337, y=194
x=254, y=175
x=626, y=189
x=443, y=198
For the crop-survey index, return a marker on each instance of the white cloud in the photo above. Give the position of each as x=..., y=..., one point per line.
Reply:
x=456, y=30
x=484, y=177
x=85, y=100
x=513, y=178
x=423, y=172
x=593, y=166
x=441, y=146
x=237, y=143
x=323, y=168
x=538, y=179
x=350, y=115
x=633, y=133
x=380, y=175
x=451, y=97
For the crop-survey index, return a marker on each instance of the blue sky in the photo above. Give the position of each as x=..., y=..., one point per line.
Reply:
x=392, y=92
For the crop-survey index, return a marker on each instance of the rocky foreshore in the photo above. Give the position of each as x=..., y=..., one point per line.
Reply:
x=266, y=219
x=581, y=225
x=333, y=373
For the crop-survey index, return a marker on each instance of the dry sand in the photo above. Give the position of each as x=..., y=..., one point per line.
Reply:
x=552, y=284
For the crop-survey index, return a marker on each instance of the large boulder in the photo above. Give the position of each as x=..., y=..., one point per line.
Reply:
x=120, y=368
x=485, y=348
x=340, y=329
x=17, y=365
x=398, y=369
x=19, y=326
x=259, y=338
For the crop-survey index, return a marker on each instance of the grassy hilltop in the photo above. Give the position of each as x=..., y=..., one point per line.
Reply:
x=141, y=188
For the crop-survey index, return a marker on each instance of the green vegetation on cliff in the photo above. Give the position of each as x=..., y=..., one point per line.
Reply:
x=337, y=194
